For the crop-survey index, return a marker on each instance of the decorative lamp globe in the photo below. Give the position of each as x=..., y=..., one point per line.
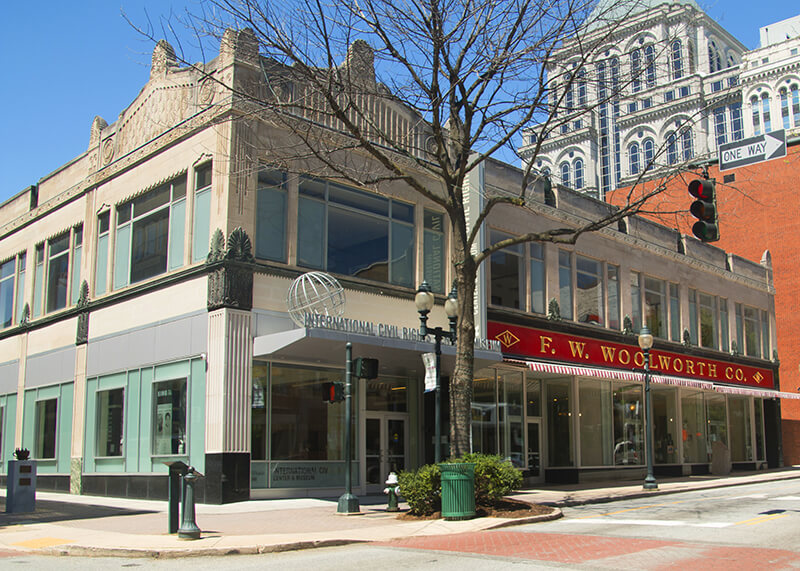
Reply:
x=314, y=293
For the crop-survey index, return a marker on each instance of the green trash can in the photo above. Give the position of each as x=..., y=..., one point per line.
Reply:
x=458, y=491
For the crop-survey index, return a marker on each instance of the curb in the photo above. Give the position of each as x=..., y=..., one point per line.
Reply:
x=556, y=514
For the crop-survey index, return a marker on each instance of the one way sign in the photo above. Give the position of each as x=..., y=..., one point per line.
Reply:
x=754, y=150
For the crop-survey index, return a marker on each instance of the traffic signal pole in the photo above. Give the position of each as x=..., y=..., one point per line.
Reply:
x=348, y=503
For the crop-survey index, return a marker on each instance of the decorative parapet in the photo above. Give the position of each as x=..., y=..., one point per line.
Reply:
x=230, y=275
x=82, y=333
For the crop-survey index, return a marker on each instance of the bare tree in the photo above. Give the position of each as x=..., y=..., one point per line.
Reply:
x=421, y=93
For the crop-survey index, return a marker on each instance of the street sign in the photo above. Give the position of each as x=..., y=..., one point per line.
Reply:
x=753, y=150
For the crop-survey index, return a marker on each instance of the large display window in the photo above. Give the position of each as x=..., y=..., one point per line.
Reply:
x=559, y=422
x=595, y=423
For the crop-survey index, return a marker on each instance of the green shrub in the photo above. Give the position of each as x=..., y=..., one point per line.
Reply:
x=421, y=489
x=494, y=477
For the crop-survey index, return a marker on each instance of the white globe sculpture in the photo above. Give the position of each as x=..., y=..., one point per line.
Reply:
x=315, y=293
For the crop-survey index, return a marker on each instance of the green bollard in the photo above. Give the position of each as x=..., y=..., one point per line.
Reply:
x=189, y=529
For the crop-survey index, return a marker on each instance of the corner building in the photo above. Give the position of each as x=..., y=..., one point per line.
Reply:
x=144, y=316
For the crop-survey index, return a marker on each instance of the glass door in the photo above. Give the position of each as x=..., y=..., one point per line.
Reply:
x=385, y=448
x=534, y=473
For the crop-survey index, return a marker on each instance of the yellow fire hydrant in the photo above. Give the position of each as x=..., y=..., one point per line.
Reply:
x=393, y=490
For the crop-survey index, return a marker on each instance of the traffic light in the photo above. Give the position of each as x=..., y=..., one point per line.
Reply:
x=704, y=209
x=332, y=392
x=365, y=368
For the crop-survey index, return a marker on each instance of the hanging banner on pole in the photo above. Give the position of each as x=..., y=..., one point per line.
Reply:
x=429, y=360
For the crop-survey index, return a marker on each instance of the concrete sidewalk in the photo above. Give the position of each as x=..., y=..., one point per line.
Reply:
x=64, y=524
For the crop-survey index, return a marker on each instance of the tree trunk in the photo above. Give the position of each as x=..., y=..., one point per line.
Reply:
x=461, y=382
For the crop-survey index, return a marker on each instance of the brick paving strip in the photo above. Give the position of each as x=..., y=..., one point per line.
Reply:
x=615, y=552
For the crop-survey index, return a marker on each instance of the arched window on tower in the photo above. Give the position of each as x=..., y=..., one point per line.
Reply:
x=565, y=173
x=795, y=104
x=677, y=60
x=578, y=168
x=687, y=144
x=756, y=109
x=784, y=95
x=650, y=60
x=765, y=115
x=634, y=165
x=649, y=153
x=581, y=88
x=636, y=70
x=672, y=149
x=714, y=57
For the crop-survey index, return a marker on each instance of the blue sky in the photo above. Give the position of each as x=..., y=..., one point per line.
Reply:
x=65, y=62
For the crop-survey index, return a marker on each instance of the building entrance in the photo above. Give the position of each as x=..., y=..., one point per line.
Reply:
x=385, y=448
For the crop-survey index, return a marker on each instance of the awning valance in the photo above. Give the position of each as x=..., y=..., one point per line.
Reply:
x=628, y=375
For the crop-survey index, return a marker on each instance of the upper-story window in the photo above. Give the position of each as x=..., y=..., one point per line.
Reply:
x=636, y=70
x=672, y=148
x=355, y=233
x=271, y=212
x=649, y=153
x=634, y=165
x=202, y=212
x=507, y=274
x=676, y=60
x=565, y=173
x=569, y=94
x=578, y=168
x=75, y=275
x=719, y=126
x=101, y=260
x=649, y=302
x=784, y=97
x=537, y=265
x=8, y=276
x=582, y=88
x=56, y=279
x=650, y=60
x=795, y=93
x=589, y=296
x=752, y=331
x=765, y=114
x=737, y=125
x=588, y=290
x=754, y=106
x=714, y=57
x=150, y=233
x=433, y=256
x=687, y=144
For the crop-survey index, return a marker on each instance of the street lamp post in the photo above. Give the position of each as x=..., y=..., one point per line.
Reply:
x=424, y=301
x=645, y=344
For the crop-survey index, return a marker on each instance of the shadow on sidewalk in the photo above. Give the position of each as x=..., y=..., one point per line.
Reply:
x=49, y=511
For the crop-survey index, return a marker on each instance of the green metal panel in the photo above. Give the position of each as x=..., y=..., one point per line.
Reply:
x=28, y=419
x=197, y=414
x=171, y=371
x=146, y=419
x=90, y=426
x=64, y=428
x=9, y=405
x=134, y=418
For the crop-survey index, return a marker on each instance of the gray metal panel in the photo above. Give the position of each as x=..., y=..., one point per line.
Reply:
x=50, y=368
x=157, y=343
x=9, y=373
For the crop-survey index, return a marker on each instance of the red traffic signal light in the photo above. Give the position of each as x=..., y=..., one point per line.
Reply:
x=704, y=209
x=332, y=392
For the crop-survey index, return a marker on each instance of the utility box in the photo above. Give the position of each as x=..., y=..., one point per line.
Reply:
x=21, y=486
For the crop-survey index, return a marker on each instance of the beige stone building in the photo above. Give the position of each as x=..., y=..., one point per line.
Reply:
x=143, y=296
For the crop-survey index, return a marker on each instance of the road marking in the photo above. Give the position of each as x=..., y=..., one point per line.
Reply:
x=787, y=498
x=753, y=497
x=760, y=519
x=651, y=522
x=42, y=542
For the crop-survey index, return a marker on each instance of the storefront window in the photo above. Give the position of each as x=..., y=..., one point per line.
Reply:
x=259, y=407
x=595, y=423
x=46, y=423
x=628, y=425
x=533, y=395
x=559, y=423
x=589, y=291
x=665, y=425
x=303, y=426
x=169, y=432
x=741, y=442
x=110, y=422
x=512, y=442
x=387, y=394
x=694, y=428
x=484, y=417
x=758, y=405
x=717, y=419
